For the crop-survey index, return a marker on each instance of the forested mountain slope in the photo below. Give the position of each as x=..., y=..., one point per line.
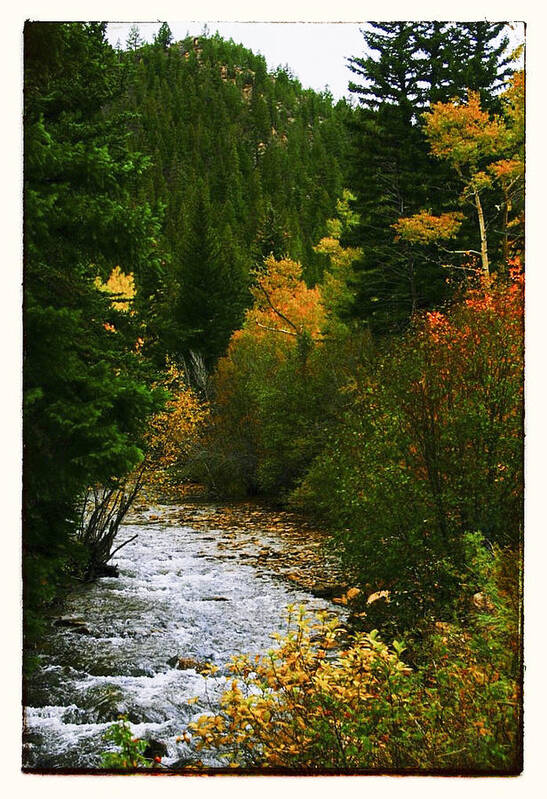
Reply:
x=245, y=163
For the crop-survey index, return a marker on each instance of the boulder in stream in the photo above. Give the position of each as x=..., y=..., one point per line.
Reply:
x=104, y=703
x=182, y=663
x=77, y=625
x=107, y=570
x=327, y=591
x=154, y=749
x=190, y=663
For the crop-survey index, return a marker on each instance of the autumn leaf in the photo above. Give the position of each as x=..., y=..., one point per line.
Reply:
x=425, y=228
x=120, y=286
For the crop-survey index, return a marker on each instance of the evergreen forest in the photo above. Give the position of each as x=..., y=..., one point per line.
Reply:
x=240, y=290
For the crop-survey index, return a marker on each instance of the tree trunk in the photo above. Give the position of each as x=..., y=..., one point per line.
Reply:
x=482, y=228
x=506, y=212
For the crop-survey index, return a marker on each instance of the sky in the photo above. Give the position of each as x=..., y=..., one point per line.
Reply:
x=316, y=52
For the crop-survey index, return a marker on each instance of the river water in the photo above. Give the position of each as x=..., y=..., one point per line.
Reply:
x=182, y=592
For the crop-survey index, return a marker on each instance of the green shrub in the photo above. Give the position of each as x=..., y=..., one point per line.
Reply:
x=129, y=755
x=429, y=447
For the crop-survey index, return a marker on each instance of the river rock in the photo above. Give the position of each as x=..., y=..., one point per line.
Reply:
x=327, y=591
x=182, y=763
x=69, y=621
x=215, y=599
x=154, y=749
x=74, y=715
x=182, y=663
x=104, y=703
x=77, y=625
x=190, y=663
x=107, y=570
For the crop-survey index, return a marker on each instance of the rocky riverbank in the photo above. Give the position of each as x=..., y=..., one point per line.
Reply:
x=278, y=541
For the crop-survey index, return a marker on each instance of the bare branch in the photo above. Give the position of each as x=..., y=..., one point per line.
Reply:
x=277, y=330
x=100, y=524
x=460, y=252
x=122, y=545
x=275, y=310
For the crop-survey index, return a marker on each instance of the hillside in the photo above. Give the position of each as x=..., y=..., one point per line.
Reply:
x=245, y=162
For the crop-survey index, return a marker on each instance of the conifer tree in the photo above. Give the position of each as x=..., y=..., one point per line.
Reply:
x=480, y=61
x=210, y=290
x=85, y=389
x=392, y=173
x=164, y=37
x=134, y=38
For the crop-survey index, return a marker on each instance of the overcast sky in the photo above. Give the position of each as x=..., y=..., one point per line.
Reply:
x=316, y=52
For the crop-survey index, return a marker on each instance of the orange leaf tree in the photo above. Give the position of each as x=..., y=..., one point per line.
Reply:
x=485, y=151
x=173, y=435
x=273, y=390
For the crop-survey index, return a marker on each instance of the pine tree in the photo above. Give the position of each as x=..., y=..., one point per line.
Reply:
x=392, y=77
x=270, y=238
x=389, y=169
x=164, y=37
x=134, y=39
x=210, y=290
x=480, y=61
x=85, y=388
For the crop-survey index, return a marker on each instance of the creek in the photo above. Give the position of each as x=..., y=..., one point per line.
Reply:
x=133, y=644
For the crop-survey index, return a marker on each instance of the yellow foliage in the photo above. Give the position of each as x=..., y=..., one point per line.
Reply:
x=318, y=701
x=121, y=286
x=462, y=132
x=482, y=148
x=174, y=432
x=285, y=312
x=336, y=293
x=283, y=304
x=281, y=712
x=425, y=228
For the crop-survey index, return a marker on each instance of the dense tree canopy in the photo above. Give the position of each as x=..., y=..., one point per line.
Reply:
x=85, y=392
x=223, y=134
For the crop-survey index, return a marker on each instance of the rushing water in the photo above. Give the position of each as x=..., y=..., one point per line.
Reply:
x=181, y=593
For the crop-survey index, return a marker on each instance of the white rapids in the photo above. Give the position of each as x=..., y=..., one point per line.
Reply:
x=178, y=595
